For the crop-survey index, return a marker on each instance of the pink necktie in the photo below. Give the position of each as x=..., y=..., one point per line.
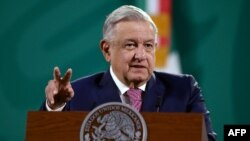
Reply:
x=135, y=98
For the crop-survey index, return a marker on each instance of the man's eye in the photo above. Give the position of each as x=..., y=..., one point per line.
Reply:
x=149, y=46
x=130, y=45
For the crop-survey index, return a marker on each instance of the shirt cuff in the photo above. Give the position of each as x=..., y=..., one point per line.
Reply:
x=53, y=110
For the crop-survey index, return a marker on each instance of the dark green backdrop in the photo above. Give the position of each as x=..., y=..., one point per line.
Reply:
x=212, y=37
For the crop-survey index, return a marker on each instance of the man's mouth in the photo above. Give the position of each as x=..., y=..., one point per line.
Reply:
x=137, y=66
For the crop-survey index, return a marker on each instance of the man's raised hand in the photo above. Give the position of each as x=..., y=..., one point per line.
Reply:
x=59, y=90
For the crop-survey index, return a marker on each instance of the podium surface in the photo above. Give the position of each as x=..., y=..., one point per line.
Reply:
x=65, y=126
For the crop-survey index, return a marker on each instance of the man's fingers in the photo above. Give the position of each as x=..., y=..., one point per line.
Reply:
x=51, y=90
x=57, y=74
x=50, y=95
x=63, y=80
x=69, y=94
x=70, y=91
x=67, y=76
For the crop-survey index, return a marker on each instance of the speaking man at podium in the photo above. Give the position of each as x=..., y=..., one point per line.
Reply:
x=128, y=45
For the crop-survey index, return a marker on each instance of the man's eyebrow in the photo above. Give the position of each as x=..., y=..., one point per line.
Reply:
x=150, y=40
x=130, y=40
x=134, y=40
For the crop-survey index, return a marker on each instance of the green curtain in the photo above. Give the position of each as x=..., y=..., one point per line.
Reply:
x=35, y=36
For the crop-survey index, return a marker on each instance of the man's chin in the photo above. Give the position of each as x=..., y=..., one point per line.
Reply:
x=138, y=79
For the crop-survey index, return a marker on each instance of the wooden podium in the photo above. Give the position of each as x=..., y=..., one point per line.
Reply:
x=65, y=126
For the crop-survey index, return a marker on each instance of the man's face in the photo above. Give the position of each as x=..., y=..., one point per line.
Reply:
x=132, y=52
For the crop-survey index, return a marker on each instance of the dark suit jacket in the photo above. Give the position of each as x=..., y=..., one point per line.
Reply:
x=164, y=92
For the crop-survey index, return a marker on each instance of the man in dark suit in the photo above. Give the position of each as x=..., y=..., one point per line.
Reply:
x=129, y=43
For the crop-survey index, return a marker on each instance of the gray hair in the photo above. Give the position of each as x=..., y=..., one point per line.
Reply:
x=125, y=13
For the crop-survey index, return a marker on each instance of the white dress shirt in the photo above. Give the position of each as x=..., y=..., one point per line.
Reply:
x=122, y=87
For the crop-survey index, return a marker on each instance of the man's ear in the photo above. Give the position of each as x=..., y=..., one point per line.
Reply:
x=105, y=47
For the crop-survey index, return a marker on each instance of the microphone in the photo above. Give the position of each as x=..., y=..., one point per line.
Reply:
x=158, y=103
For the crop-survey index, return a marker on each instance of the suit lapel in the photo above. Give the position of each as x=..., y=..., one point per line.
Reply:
x=153, y=95
x=108, y=91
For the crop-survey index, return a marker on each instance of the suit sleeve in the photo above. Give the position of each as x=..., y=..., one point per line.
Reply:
x=197, y=104
x=43, y=106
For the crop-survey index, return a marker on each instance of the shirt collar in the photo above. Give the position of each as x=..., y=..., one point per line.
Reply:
x=122, y=87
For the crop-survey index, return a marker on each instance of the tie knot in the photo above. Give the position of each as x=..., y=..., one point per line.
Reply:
x=134, y=94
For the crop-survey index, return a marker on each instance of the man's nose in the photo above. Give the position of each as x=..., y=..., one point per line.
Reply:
x=140, y=53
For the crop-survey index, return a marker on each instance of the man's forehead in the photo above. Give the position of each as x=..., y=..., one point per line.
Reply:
x=134, y=31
